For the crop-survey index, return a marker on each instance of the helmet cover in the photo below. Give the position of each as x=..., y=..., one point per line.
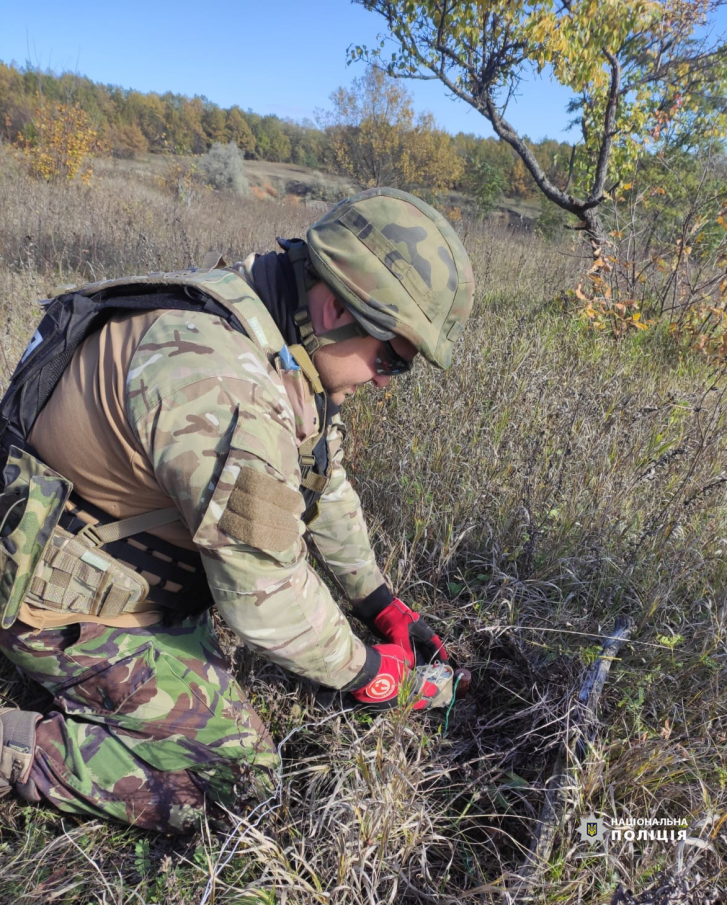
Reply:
x=398, y=266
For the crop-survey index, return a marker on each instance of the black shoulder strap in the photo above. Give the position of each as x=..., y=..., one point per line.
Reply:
x=68, y=320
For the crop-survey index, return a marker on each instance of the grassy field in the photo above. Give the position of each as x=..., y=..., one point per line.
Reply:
x=551, y=481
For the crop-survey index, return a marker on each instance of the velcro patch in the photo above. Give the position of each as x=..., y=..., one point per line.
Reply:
x=262, y=512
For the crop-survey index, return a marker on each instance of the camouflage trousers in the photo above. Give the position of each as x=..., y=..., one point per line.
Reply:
x=149, y=727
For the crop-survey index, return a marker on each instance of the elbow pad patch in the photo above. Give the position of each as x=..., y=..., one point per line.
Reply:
x=262, y=512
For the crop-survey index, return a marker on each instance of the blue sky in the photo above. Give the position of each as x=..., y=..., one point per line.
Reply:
x=283, y=57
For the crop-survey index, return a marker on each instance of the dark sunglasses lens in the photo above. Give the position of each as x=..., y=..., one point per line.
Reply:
x=391, y=363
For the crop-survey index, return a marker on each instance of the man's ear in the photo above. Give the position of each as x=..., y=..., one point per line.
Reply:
x=327, y=312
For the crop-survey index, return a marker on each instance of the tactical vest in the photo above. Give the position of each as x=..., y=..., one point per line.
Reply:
x=48, y=550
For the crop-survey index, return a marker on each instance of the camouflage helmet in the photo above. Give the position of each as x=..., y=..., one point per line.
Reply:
x=398, y=266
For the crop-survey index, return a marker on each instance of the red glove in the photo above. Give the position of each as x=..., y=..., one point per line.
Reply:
x=382, y=691
x=400, y=625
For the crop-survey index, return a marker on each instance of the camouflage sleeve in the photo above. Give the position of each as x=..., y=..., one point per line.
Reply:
x=214, y=420
x=339, y=533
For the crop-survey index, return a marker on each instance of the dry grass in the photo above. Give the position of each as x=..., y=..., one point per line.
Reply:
x=551, y=480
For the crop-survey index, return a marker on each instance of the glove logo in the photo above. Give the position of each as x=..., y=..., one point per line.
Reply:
x=383, y=686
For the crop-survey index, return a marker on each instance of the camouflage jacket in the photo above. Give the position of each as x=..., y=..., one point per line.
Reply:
x=221, y=427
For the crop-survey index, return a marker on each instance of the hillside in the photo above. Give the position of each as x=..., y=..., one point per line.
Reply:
x=130, y=125
x=300, y=184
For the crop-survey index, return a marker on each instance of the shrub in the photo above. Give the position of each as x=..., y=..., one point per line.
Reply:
x=179, y=179
x=329, y=190
x=223, y=168
x=58, y=143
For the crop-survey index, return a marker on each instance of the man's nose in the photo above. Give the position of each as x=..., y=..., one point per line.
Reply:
x=381, y=380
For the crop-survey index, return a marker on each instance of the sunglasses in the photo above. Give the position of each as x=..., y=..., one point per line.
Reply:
x=391, y=363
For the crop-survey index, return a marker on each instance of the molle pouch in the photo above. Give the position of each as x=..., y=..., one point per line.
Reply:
x=30, y=507
x=74, y=575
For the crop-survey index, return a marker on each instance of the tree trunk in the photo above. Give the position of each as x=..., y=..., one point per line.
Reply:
x=595, y=230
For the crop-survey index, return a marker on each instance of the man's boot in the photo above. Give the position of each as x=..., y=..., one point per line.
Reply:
x=17, y=748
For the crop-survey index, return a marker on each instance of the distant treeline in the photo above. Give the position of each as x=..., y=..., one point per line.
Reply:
x=131, y=123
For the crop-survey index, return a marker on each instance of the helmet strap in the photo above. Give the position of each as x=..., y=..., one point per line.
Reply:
x=297, y=251
x=310, y=340
x=338, y=334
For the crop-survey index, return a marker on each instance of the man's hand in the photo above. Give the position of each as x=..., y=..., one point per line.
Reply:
x=381, y=692
x=394, y=622
x=398, y=624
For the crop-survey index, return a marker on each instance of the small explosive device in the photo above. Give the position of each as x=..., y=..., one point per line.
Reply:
x=450, y=682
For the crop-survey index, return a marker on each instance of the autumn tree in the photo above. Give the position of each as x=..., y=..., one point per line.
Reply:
x=637, y=69
x=132, y=122
x=58, y=142
x=271, y=142
x=279, y=148
x=375, y=138
x=223, y=168
x=126, y=141
x=367, y=126
x=147, y=111
x=183, y=124
x=16, y=106
x=521, y=185
x=485, y=183
x=239, y=131
x=307, y=143
x=214, y=123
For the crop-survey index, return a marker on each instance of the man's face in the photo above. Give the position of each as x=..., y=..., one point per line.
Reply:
x=347, y=365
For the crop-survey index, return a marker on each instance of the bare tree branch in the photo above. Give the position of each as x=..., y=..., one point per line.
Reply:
x=609, y=132
x=481, y=63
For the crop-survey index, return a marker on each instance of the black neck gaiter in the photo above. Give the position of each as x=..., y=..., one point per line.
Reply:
x=274, y=280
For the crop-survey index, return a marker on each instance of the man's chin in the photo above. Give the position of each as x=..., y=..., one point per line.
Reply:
x=339, y=396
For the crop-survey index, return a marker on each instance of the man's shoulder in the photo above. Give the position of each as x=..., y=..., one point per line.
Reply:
x=187, y=351
x=195, y=333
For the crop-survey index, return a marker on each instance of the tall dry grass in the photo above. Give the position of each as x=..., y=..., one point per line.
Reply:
x=551, y=480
